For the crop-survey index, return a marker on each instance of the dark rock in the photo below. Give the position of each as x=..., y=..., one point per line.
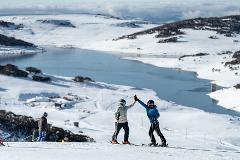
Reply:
x=60, y=23
x=128, y=24
x=33, y=70
x=11, y=41
x=236, y=59
x=41, y=78
x=10, y=25
x=169, y=32
x=236, y=55
x=213, y=37
x=194, y=55
x=168, y=40
x=225, y=52
x=82, y=79
x=12, y=70
x=237, y=86
x=22, y=126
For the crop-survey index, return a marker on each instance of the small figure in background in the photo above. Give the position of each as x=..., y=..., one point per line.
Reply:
x=42, y=126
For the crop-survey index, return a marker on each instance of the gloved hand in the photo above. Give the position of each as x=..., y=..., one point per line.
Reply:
x=135, y=98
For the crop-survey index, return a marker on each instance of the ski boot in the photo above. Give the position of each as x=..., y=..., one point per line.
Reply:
x=114, y=142
x=164, y=145
x=126, y=142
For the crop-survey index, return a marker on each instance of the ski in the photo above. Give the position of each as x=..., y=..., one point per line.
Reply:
x=157, y=145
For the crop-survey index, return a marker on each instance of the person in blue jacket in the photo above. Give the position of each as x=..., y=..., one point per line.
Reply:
x=153, y=116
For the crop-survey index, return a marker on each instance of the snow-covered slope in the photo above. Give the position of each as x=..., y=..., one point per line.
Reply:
x=97, y=32
x=191, y=132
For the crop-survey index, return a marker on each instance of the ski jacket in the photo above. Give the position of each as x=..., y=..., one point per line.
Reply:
x=152, y=112
x=42, y=124
x=121, y=113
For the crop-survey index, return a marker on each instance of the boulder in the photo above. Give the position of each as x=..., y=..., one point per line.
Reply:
x=41, y=78
x=33, y=70
x=12, y=70
x=82, y=79
x=237, y=86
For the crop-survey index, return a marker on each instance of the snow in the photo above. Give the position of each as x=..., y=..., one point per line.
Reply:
x=191, y=131
x=75, y=151
x=97, y=33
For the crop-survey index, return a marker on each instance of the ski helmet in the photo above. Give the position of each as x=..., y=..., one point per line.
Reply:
x=45, y=114
x=150, y=102
x=122, y=102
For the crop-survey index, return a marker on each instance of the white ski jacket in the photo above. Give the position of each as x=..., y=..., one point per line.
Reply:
x=121, y=113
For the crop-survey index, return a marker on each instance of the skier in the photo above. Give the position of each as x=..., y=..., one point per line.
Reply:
x=42, y=126
x=153, y=115
x=121, y=121
x=1, y=142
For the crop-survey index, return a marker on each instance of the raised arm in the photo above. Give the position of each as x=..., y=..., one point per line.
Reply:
x=142, y=103
x=131, y=105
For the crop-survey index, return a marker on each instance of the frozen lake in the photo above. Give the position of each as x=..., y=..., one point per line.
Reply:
x=181, y=87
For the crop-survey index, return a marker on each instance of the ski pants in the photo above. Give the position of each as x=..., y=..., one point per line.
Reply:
x=118, y=127
x=155, y=127
x=42, y=136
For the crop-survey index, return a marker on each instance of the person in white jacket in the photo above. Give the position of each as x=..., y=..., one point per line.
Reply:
x=121, y=121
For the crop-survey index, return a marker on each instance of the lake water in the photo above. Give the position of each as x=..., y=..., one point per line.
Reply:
x=181, y=87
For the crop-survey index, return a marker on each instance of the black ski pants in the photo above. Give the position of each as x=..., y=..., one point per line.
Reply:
x=118, y=127
x=155, y=127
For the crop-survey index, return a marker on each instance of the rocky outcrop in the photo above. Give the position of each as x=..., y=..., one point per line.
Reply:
x=33, y=70
x=82, y=79
x=10, y=25
x=169, y=40
x=11, y=41
x=128, y=24
x=41, y=78
x=237, y=86
x=236, y=59
x=59, y=23
x=21, y=126
x=194, y=55
x=228, y=26
x=12, y=70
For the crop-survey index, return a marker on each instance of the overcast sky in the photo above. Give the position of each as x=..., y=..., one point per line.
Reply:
x=154, y=10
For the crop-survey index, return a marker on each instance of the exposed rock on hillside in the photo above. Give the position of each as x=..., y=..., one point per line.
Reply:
x=82, y=79
x=12, y=70
x=23, y=126
x=11, y=41
x=10, y=25
x=60, y=23
x=228, y=26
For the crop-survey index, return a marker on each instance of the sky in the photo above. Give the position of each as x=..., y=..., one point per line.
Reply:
x=152, y=10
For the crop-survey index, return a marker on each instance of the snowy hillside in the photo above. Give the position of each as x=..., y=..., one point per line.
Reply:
x=88, y=107
x=213, y=37
x=192, y=131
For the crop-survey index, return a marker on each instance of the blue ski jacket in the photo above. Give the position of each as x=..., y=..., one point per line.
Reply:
x=152, y=113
